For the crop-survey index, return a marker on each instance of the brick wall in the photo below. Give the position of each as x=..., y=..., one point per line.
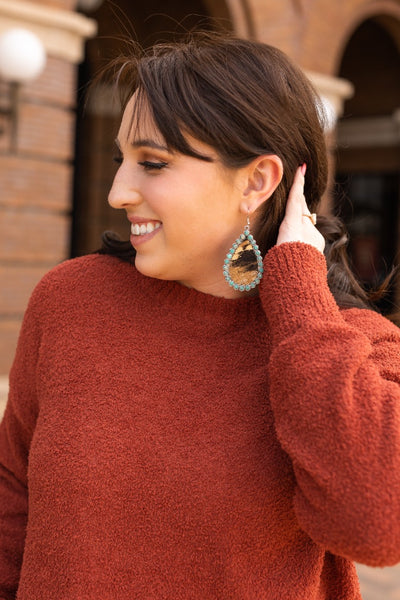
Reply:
x=314, y=32
x=35, y=187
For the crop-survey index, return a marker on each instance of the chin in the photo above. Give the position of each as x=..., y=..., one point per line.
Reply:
x=149, y=268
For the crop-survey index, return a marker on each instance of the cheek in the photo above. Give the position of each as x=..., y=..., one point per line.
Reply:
x=197, y=209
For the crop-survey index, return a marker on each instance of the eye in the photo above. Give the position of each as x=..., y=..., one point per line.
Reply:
x=118, y=158
x=152, y=166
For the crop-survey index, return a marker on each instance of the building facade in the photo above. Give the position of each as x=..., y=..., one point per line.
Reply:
x=53, y=185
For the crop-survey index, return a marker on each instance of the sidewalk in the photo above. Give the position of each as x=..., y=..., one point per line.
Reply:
x=379, y=584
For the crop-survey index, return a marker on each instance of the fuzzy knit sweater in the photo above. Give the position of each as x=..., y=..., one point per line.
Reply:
x=163, y=444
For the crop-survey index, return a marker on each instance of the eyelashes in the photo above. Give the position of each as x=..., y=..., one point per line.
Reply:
x=146, y=164
x=150, y=166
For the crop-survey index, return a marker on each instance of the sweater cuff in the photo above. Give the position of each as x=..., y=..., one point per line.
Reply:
x=294, y=290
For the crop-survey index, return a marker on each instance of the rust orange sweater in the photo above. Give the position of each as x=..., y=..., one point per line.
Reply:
x=163, y=444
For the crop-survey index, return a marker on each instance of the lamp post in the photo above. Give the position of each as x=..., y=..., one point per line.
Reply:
x=22, y=59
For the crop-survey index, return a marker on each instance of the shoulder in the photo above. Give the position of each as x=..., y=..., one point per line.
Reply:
x=85, y=271
x=82, y=279
x=375, y=326
x=384, y=337
x=92, y=266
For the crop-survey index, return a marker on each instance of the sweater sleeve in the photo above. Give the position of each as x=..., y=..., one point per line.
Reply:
x=335, y=394
x=16, y=432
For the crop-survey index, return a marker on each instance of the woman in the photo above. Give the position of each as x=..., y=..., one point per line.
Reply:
x=183, y=425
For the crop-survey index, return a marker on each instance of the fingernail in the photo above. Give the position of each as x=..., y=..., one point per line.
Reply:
x=303, y=169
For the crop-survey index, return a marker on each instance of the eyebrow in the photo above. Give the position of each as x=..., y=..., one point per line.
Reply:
x=146, y=143
x=149, y=144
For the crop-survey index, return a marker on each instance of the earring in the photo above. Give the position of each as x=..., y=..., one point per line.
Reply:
x=243, y=266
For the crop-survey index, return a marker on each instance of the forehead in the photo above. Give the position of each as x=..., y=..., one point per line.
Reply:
x=138, y=123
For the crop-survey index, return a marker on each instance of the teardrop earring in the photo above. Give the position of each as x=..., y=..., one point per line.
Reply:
x=243, y=266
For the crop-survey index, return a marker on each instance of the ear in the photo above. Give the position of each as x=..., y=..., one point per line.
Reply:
x=262, y=177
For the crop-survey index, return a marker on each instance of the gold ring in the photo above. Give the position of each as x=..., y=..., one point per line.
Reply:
x=312, y=217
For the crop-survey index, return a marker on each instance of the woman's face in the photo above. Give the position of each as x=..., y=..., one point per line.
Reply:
x=184, y=212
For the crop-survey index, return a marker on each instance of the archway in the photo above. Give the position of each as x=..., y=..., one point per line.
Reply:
x=368, y=168
x=368, y=161
x=98, y=117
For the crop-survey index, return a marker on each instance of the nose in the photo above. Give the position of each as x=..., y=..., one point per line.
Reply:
x=123, y=192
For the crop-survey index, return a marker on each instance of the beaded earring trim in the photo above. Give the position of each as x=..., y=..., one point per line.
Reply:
x=243, y=266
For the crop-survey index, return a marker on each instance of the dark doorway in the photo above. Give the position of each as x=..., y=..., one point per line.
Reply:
x=368, y=160
x=371, y=212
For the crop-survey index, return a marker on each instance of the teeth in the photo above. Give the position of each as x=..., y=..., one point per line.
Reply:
x=144, y=228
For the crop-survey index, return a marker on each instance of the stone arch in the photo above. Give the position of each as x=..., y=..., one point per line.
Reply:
x=385, y=12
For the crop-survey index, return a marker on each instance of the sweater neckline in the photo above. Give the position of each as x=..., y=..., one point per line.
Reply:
x=174, y=296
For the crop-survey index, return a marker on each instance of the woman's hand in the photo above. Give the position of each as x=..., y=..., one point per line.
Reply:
x=297, y=226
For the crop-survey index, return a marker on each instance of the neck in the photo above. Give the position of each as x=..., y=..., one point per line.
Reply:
x=220, y=289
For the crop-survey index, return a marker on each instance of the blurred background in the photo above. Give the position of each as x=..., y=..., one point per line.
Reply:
x=56, y=143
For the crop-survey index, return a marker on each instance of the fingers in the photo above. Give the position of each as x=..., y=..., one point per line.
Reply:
x=299, y=223
x=296, y=203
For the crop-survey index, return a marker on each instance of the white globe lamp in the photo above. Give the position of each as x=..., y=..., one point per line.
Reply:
x=22, y=55
x=22, y=58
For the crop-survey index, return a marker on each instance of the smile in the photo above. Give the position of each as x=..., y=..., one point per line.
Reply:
x=144, y=228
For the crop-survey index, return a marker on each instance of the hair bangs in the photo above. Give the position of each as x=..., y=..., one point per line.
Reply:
x=158, y=100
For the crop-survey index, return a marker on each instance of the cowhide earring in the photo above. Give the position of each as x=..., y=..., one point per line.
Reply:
x=243, y=266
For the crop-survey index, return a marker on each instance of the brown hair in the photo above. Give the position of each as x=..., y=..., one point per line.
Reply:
x=244, y=99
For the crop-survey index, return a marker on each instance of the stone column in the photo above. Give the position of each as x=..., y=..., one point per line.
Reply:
x=333, y=91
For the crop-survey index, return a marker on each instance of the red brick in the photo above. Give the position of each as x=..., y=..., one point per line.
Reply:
x=9, y=331
x=33, y=237
x=46, y=131
x=16, y=288
x=36, y=183
x=56, y=84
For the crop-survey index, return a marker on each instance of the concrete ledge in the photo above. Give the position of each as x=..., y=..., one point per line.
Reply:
x=62, y=32
x=370, y=132
x=334, y=89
